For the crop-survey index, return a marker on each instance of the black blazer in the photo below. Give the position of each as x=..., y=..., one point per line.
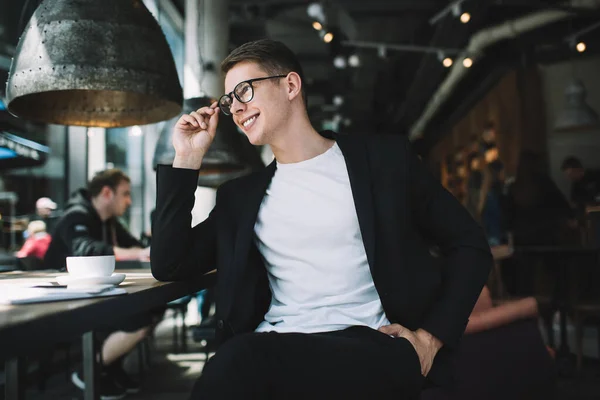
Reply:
x=402, y=211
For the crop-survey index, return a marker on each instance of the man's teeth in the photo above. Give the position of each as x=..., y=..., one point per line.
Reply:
x=249, y=121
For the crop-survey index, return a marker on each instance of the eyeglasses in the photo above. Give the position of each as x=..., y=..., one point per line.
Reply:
x=243, y=92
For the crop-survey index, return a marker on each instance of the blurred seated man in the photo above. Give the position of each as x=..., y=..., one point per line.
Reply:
x=37, y=241
x=502, y=355
x=89, y=227
x=585, y=183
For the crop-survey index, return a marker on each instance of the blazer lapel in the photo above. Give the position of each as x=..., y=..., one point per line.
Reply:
x=251, y=196
x=357, y=163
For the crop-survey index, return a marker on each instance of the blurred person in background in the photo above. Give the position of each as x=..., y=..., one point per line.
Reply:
x=537, y=213
x=474, y=183
x=37, y=241
x=90, y=227
x=491, y=201
x=45, y=210
x=585, y=184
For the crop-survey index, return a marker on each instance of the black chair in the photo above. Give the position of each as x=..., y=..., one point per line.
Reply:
x=509, y=362
x=206, y=332
x=179, y=309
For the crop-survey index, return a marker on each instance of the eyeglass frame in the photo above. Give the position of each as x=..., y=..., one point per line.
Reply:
x=250, y=82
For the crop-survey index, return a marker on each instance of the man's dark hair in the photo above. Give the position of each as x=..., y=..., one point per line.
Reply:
x=274, y=57
x=110, y=177
x=571, y=162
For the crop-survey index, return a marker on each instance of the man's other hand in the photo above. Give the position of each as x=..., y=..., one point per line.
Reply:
x=144, y=254
x=425, y=344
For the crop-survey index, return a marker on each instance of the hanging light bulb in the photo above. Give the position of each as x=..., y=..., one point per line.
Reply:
x=580, y=47
x=316, y=12
x=317, y=26
x=339, y=62
x=354, y=60
x=446, y=61
x=328, y=37
x=465, y=17
x=467, y=62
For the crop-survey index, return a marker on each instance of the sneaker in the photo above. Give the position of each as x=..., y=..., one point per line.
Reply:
x=123, y=379
x=107, y=388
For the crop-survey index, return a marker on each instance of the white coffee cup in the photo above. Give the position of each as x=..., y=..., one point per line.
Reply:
x=91, y=266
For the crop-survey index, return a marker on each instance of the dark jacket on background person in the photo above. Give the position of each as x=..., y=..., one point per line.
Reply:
x=402, y=209
x=537, y=211
x=586, y=192
x=81, y=232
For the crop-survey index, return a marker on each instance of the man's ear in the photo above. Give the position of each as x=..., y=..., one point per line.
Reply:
x=294, y=85
x=106, y=192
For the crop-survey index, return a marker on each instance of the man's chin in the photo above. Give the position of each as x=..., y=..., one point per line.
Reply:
x=256, y=140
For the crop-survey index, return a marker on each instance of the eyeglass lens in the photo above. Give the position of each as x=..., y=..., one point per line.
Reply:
x=243, y=92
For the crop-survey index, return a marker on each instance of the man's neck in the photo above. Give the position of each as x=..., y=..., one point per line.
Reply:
x=298, y=141
x=101, y=210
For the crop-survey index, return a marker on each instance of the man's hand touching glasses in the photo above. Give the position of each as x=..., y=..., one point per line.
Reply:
x=192, y=136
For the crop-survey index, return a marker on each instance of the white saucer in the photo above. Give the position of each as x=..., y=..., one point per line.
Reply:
x=68, y=280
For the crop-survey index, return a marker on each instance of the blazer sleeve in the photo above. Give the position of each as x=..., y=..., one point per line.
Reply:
x=178, y=251
x=464, y=248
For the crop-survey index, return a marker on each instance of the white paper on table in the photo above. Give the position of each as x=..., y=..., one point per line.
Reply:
x=23, y=295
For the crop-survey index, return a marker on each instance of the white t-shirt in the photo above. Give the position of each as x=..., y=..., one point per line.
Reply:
x=308, y=234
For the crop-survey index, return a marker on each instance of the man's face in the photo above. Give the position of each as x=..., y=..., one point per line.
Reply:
x=574, y=174
x=44, y=212
x=261, y=117
x=121, y=199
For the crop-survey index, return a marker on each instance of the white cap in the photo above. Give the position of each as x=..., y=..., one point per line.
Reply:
x=45, y=202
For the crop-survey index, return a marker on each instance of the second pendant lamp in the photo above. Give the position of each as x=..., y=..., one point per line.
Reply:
x=230, y=155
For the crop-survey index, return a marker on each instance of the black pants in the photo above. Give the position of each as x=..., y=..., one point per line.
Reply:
x=356, y=363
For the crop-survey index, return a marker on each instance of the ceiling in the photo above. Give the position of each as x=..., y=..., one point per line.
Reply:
x=389, y=93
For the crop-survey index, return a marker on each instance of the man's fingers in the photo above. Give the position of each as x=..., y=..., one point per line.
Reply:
x=213, y=122
x=189, y=119
x=393, y=329
x=206, y=110
x=199, y=118
x=387, y=329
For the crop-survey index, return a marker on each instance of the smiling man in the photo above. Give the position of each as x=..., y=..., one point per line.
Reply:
x=326, y=285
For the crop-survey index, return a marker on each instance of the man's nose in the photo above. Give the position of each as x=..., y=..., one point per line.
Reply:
x=237, y=106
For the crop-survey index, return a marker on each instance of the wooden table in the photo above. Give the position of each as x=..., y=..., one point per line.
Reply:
x=28, y=328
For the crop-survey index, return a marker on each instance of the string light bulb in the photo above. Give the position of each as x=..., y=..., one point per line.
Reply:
x=317, y=26
x=580, y=47
x=354, y=60
x=465, y=17
x=447, y=62
x=467, y=62
x=328, y=37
